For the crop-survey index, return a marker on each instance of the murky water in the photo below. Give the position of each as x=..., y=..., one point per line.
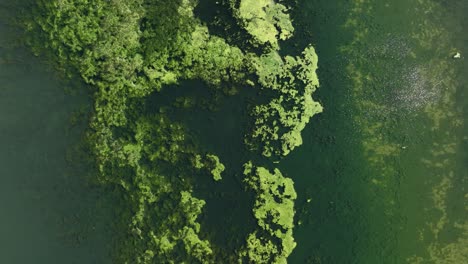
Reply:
x=48, y=214
x=385, y=166
x=390, y=183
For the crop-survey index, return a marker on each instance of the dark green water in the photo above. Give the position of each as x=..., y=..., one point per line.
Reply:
x=385, y=166
x=47, y=212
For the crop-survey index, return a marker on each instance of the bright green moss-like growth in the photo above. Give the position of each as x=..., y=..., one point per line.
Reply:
x=265, y=20
x=274, y=211
x=162, y=226
x=216, y=167
x=278, y=124
x=212, y=163
x=138, y=47
x=162, y=222
x=127, y=50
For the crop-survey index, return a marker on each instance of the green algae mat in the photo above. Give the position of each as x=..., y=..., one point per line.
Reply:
x=234, y=131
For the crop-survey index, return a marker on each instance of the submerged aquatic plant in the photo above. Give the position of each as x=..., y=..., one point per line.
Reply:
x=274, y=211
x=128, y=50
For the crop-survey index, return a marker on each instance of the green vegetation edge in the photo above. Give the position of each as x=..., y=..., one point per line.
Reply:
x=129, y=50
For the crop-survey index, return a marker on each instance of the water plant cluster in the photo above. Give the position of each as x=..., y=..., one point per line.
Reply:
x=128, y=51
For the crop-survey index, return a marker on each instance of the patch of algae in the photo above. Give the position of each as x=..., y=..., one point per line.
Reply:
x=266, y=20
x=128, y=50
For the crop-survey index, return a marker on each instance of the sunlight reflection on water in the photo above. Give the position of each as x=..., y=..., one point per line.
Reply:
x=414, y=88
x=418, y=92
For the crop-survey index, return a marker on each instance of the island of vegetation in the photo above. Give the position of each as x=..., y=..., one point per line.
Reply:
x=127, y=51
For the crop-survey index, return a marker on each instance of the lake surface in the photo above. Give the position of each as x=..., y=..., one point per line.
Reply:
x=386, y=163
x=48, y=212
x=385, y=166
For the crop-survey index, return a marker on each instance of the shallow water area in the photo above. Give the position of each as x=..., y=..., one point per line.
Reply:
x=390, y=183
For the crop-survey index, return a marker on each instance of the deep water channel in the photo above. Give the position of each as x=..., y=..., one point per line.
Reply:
x=48, y=213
